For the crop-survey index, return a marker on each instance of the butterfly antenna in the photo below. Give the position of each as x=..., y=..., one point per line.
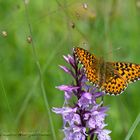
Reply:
x=111, y=52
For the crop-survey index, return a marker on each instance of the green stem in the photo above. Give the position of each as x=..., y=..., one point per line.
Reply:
x=40, y=76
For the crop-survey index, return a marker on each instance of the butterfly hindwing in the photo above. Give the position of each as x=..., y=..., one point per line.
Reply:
x=114, y=85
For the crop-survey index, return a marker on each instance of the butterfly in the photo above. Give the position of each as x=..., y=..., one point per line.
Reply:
x=110, y=77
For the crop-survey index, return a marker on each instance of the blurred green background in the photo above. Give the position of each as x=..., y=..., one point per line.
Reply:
x=110, y=29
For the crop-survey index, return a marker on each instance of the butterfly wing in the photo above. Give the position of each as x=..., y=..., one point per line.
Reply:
x=129, y=71
x=89, y=62
x=114, y=85
x=123, y=74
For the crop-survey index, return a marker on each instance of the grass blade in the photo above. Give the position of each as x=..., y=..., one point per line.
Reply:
x=134, y=125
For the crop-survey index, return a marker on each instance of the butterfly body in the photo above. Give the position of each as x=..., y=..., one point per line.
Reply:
x=110, y=77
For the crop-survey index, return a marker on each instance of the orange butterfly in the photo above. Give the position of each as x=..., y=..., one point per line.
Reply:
x=111, y=77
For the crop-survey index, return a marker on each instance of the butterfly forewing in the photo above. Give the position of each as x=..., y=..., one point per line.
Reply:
x=89, y=62
x=84, y=57
x=129, y=71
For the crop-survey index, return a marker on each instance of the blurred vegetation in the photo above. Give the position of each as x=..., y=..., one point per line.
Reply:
x=109, y=29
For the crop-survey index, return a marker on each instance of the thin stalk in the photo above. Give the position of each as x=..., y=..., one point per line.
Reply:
x=40, y=75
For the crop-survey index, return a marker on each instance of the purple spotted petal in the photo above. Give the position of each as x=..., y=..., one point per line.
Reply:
x=67, y=96
x=85, y=100
x=64, y=110
x=66, y=58
x=74, y=133
x=69, y=59
x=67, y=88
x=103, y=134
x=66, y=69
x=98, y=94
